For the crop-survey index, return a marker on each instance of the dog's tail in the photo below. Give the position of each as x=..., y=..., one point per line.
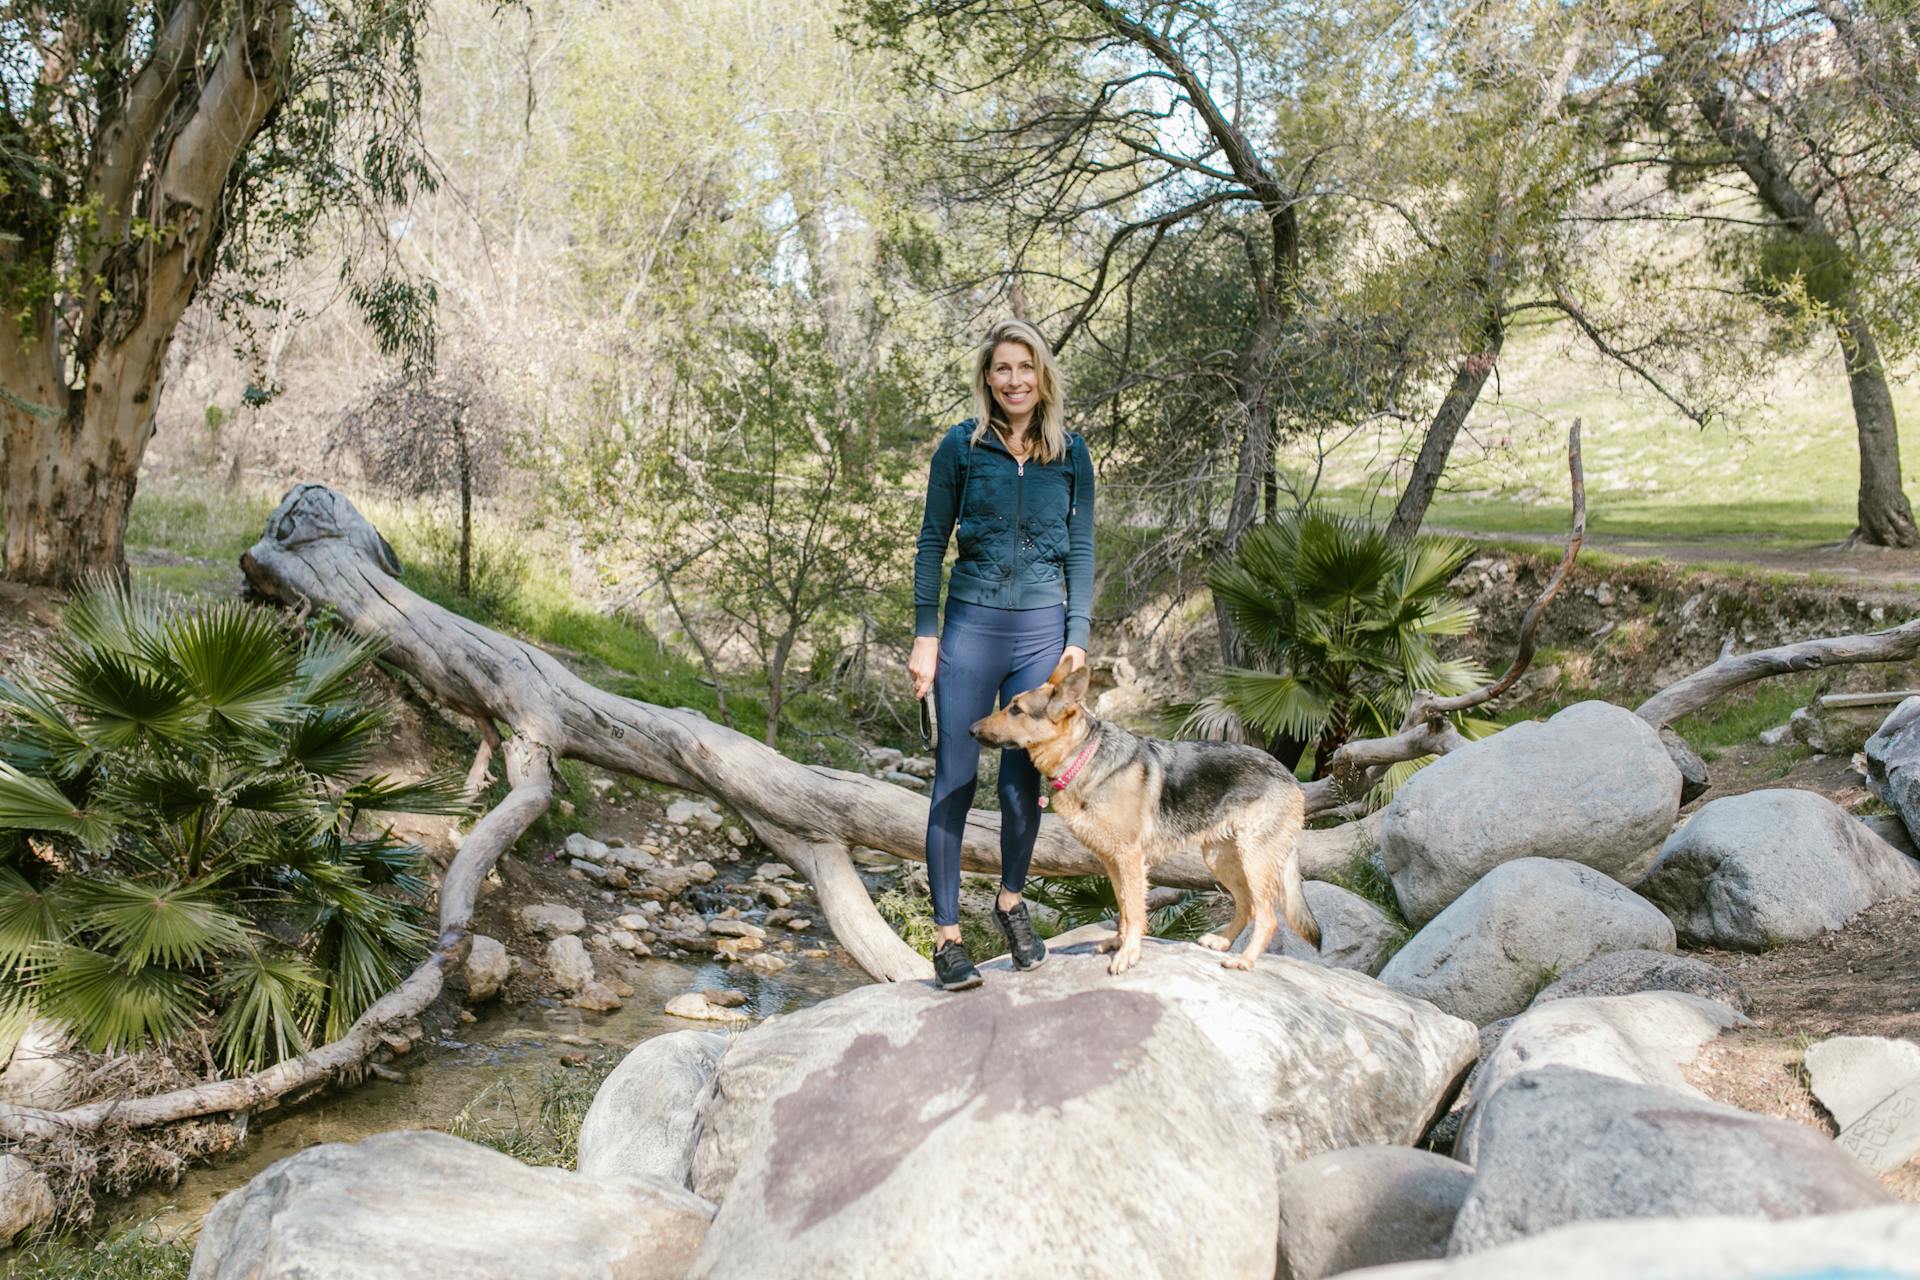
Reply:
x=1293, y=904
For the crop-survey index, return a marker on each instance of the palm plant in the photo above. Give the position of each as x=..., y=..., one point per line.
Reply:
x=181, y=832
x=1079, y=900
x=1339, y=620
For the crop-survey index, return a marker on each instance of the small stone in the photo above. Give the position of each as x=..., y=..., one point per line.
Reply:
x=776, y=896
x=777, y=918
x=884, y=757
x=904, y=779
x=486, y=968
x=619, y=987
x=694, y=1005
x=770, y=871
x=633, y=920
x=918, y=767
x=730, y=928
x=697, y=813
x=568, y=963
x=549, y=919
x=761, y=962
x=580, y=845
x=736, y=837
x=1777, y=736
x=734, y=948
x=725, y=997
x=596, y=997
x=591, y=870
x=26, y=1198
x=576, y=874
x=799, y=923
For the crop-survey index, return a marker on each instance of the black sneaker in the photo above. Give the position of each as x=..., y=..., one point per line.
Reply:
x=1023, y=944
x=954, y=967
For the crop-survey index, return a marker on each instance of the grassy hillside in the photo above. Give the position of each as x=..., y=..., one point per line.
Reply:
x=1779, y=471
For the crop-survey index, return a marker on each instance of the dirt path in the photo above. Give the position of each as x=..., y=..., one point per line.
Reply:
x=1870, y=567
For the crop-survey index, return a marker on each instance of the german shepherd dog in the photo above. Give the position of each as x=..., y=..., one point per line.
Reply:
x=1135, y=800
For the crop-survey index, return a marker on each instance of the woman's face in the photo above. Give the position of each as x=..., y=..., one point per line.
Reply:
x=1014, y=380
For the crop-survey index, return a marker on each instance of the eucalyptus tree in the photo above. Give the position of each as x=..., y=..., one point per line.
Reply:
x=1782, y=131
x=152, y=152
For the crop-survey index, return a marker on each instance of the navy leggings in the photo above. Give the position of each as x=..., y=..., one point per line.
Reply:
x=985, y=652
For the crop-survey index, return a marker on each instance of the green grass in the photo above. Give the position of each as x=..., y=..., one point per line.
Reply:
x=128, y=1255
x=1742, y=715
x=542, y=1127
x=1778, y=472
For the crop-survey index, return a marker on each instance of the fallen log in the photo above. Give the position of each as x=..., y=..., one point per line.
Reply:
x=1703, y=687
x=318, y=550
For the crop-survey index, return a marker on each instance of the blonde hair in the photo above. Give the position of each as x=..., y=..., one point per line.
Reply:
x=1048, y=428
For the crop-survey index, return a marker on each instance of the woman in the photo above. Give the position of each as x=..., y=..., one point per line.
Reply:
x=1019, y=489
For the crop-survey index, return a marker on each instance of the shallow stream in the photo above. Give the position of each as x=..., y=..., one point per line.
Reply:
x=493, y=1065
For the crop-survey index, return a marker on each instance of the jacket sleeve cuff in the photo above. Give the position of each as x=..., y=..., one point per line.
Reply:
x=926, y=620
x=1077, y=632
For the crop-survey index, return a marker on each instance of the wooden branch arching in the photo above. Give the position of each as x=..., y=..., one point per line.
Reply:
x=529, y=770
x=1691, y=693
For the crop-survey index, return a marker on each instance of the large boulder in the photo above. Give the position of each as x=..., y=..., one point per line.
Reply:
x=1354, y=934
x=26, y=1198
x=1559, y=1145
x=1893, y=762
x=1591, y=785
x=1753, y=870
x=1524, y=924
x=43, y=1070
x=1366, y=1206
x=1132, y=1124
x=1646, y=1038
x=1870, y=1243
x=402, y=1205
x=646, y=1115
x=1622, y=973
x=1871, y=1087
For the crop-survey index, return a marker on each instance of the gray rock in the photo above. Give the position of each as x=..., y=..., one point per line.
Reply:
x=1777, y=736
x=1645, y=1038
x=1621, y=973
x=1878, y=1243
x=1366, y=1206
x=1591, y=785
x=551, y=919
x=1154, y=1108
x=695, y=813
x=1528, y=921
x=43, y=1070
x=1694, y=778
x=1889, y=828
x=580, y=845
x=646, y=1115
x=696, y=1006
x=569, y=964
x=1558, y=1146
x=26, y=1199
x=403, y=1205
x=1886, y=753
x=487, y=968
x=1871, y=1085
x=1809, y=730
x=1753, y=870
x=1354, y=934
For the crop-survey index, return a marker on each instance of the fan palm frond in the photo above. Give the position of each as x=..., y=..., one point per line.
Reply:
x=30, y=918
x=110, y=1005
x=1182, y=921
x=236, y=661
x=122, y=700
x=327, y=665
x=1275, y=703
x=34, y=804
x=1214, y=719
x=108, y=615
x=440, y=793
x=330, y=742
x=42, y=738
x=269, y=1001
x=162, y=922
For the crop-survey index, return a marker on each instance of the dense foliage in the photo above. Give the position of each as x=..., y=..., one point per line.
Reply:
x=185, y=834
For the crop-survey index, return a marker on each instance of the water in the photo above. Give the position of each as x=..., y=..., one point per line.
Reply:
x=500, y=1056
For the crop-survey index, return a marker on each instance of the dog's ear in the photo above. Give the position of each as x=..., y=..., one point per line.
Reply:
x=1068, y=691
x=1059, y=674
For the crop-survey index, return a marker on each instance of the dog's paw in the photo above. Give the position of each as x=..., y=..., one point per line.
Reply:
x=1214, y=941
x=1109, y=943
x=1243, y=961
x=1124, y=959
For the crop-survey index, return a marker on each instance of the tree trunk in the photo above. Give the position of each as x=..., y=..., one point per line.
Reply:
x=1411, y=511
x=1886, y=519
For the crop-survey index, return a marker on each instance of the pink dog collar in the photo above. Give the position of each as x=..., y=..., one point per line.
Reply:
x=1060, y=783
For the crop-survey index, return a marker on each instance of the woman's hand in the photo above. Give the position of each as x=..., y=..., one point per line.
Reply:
x=924, y=663
x=1074, y=655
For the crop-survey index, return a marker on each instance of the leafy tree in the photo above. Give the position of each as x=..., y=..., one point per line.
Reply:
x=183, y=837
x=1341, y=619
x=152, y=150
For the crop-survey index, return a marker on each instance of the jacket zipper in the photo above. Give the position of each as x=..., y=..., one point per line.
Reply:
x=1019, y=485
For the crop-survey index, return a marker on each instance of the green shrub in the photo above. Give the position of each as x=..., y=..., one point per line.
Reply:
x=1079, y=900
x=545, y=1128
x=128, y=1255
x=184, y=837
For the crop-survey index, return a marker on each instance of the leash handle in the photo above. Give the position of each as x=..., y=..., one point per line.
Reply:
x=926, y=725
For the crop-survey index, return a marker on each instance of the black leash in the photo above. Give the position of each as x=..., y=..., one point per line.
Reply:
x=926, y=725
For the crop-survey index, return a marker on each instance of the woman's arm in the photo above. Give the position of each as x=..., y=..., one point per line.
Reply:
x=1080, y=551
x=936, y=529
